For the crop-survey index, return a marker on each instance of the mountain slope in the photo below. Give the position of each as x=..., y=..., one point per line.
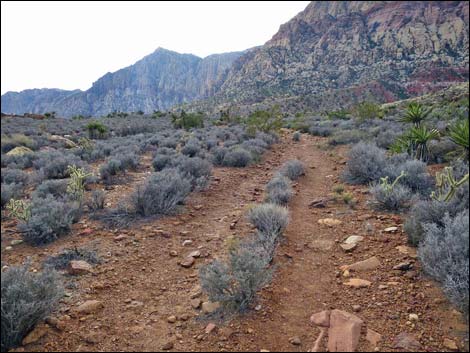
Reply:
x=384, y=49
x=158, y=81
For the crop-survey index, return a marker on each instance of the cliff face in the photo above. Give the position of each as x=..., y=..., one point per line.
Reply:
x=156, y=82
x=392, y=49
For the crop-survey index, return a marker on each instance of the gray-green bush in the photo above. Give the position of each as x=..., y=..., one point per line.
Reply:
x=293, y=169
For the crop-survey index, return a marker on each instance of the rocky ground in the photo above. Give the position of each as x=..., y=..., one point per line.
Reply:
x=335, y=258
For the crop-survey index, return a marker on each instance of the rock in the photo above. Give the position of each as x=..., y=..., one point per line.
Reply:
x=120, y=237
x=173, y=253
x=67, y=143
x=295, y=341
x=195, y=254
x=449, y=344
x=210, y=327
x=187, y=242
x=196, y=292
x=209, y=307
x=91, y=338
x=406, y=341
x=321, y=245
x=321, y=318
x=168, y=345
x=8, y=248
x=171, y=319
x=407, y=250
x=413, y=317
x=404, y=266
x=356, y=308
x=383, y=286
x=390, y=229
x=187, y=262
x=35, y=335
x=87, y=231
x=330, y=222
x=353, y=239
x=348, y=247
x=79, y=267
x=196, y=303
x=344, y=331
x=89, y=307
x=16, y=242
x=373, y=337
x=357, y=283
x=365, y=265
x=318, y=203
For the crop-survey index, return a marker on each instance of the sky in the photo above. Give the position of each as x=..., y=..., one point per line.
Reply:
x=70, y=45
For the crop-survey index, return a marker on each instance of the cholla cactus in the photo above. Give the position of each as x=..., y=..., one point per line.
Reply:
x=76, y=185
x=446, y=185
x=386, y=186
x=19, y=209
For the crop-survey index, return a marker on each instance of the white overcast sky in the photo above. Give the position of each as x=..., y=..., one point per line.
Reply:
x=70, y=45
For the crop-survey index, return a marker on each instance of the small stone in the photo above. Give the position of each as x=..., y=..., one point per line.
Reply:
x=390, y=229
x=382, y=286
x=357, y=283
x=407, y=250
x=173, y=253
x=413, y=317
x=353, y=239
x=196, y=303
x=8, y=248
x=35, y=335
x=318, y=203
x=79, y=267
x=348, y=247
x=196, y=292
x=120, y=237
x=407, y=341
x=209, y=307
x=195, y=254
x=346, y=273
x=187, y=262
x=321, y=319
x=187, y=242
x=366, y=265
x=16, y=242
x=89, y=306
x=404, y=266
x=330, y=222
x=449, y=344
x=167, y=346
x=210, y=327
x=171, y=319
x=344, y=331
x=295, y=341
x=356, y=308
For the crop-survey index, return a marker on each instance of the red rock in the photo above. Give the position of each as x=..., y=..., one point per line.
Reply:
x=86, y=231
x=35, y=335
x=357, y=283
x=373, y=337
x=210, y=327
x=187, y=262
x=321, y=319
x=89, y=306
x=79, y=267
x=344, y=331
x=406, y=341
x=366, y=265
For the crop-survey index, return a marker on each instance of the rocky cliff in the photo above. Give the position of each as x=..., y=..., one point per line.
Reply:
x=156, y=82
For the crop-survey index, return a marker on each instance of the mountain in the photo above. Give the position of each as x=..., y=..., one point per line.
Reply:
x=156, y=82
x=335, y=52
x=332, y=54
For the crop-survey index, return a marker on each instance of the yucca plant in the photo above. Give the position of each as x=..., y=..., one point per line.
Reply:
x=420, y=136
x=458, y=133
x=415, y=114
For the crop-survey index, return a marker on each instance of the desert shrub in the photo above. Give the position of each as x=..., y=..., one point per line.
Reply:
x=416, y=176
x=111, y=168
x=168, y=143
x=54, y=164
x=97, y=200
x=322, y=131
x=27, y=299
x=161, y=161
x=444, y=254
x=96, y=130
x=16, y=140
x=269, y=219
x=270, y=138
x=49, y=219
x=293, y=169
x=161, y=193
x=19, y=161
x=346, y=137
x=264, y=121
x=56, y=188
x=218, y=155
x=368, y=110
x=10, y=191
x=188, y=121
x=366, y=163
x=197, y=170
x=191, y=149
x=397, y=199
x=14, y=176
x=237, y=157
x=279, y=191
x=61, y=260
x=234, y=285
x=129, y=161
x=296, y=136
x=440, y=151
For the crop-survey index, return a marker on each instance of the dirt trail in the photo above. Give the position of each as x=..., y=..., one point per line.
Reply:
x=141, y=284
